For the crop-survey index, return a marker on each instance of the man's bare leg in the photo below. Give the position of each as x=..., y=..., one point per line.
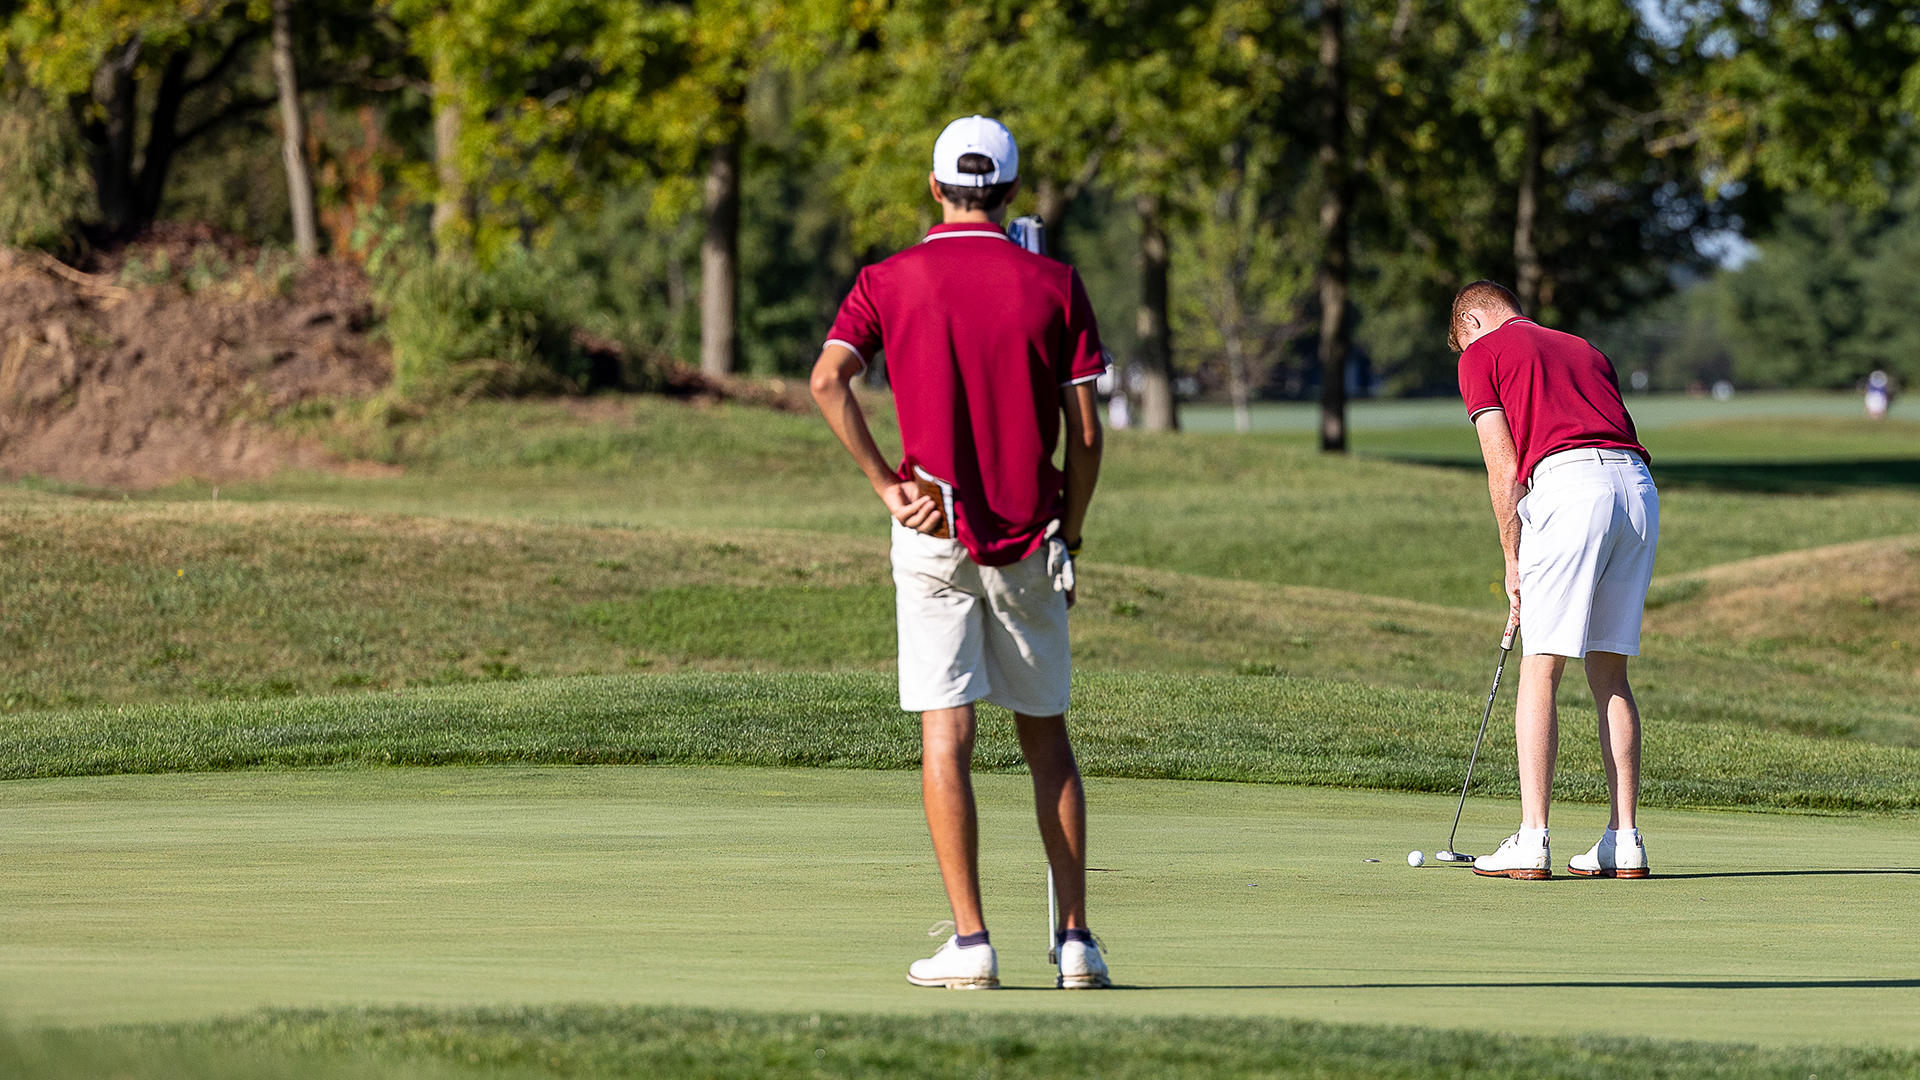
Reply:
x=1536, y=732
x=946, y=788
x=1060, y=802
x=1619, y=734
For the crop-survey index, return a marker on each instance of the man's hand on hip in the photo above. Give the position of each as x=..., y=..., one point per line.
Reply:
x=912, y=509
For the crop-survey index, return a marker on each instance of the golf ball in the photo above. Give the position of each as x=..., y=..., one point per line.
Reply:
x=1415, y=858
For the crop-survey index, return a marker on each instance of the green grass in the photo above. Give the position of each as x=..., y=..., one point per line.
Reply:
x=183, y=898
x=1258, y=508
x=671, y=1043
x=1255, y=729
x=276, y=649
x=113, y=603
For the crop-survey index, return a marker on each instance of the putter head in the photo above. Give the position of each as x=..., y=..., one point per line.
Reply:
x=1452, y=856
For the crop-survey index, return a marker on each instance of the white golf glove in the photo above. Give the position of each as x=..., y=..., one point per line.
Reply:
x=1059, y=563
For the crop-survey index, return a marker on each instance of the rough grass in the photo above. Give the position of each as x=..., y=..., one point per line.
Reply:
x=1854, y=606
x=1249, y=729
x=1258, y=508
x=588, y=1041
x=111, y=603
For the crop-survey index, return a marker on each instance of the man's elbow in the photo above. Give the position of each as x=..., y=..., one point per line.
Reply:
x=827, y=383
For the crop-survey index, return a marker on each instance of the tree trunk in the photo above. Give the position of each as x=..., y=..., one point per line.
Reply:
x=1336, y=206
x=306, y=233
x=1526, y=256
x=156, y=158
x=108, y=119
x=1158, y=409
x=720, y=261
x=450, y=225
x=1237, y=388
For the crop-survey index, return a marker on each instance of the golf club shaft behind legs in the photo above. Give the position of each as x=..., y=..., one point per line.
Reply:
x=1053, y=920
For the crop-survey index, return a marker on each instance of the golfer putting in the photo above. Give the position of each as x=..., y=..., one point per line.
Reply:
x=1579, y=520
x=988, y=347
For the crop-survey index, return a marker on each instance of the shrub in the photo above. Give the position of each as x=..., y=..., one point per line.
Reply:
x=459, y=329
x=44, y=188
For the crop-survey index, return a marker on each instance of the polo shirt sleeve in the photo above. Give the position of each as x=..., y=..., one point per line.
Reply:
x=1476, y=381
x=1084, y=359
x=857, y=327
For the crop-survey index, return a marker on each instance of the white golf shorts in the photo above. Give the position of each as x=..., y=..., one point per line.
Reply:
x=1588, y=529
x=969, y=632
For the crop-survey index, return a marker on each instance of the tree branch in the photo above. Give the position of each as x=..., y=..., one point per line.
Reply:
x=223, y=61
x=235, y=109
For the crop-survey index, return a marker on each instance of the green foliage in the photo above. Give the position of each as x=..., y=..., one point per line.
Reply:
x=43, y=183
x=459, y=329
x=1829, y=298
x=1817, y=97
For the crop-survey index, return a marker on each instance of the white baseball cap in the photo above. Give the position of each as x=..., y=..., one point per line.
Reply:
x=975, y=135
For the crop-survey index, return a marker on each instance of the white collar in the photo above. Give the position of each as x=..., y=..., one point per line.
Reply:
x=971, y=232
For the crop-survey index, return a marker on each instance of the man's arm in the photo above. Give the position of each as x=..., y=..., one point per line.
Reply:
x=1505, y=489
x=1084, y=444
x=832, y=386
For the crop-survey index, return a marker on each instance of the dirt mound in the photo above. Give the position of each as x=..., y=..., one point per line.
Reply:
x=166, y=362
x=167, y=358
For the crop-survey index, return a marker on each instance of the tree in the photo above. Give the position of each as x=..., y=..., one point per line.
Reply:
x=144, y=80
x=1357, y=73
x=1239, y=279
x=1829, y=298
x=306, y=239
x=1816, y=96
x=1604, y=203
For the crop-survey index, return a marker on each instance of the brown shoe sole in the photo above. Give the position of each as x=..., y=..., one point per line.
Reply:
x=1517, y=875
x=1634, y=872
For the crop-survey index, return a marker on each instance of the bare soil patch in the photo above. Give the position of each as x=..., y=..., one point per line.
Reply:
x=136, y=385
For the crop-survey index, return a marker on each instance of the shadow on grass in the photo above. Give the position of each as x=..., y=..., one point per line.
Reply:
x=1792, y=477
x=1571, y=984
x=1786, y=873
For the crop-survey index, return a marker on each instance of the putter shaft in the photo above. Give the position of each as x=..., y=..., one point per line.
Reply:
x=1506, y=649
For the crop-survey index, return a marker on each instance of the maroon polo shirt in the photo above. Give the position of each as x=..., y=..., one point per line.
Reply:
x=1559, y=393
x=980, y=336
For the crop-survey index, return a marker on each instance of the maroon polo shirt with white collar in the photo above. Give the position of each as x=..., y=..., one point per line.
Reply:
x=981, y=335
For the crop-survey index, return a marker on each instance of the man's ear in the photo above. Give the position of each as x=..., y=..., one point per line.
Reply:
x=933, y=188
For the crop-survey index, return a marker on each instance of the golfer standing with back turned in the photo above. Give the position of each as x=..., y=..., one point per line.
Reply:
x=1579, y=519
x=987, y=346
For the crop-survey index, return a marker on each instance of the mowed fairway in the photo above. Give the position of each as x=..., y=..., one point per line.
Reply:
x=188, y=896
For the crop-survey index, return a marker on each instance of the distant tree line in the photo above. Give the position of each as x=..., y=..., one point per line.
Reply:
x=1259, y=193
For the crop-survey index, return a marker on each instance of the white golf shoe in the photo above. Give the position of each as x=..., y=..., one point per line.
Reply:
x=1609, y=858
x=972, y=968
x=1081, y=967
x=1527, y=862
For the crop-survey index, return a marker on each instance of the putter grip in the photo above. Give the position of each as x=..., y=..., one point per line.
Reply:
x=1506, y=639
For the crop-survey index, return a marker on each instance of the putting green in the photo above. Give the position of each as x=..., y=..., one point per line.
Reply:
x=182, y=896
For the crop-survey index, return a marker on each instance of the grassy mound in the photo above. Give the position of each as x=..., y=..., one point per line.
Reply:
x=120, y=603
x=1259, y=508
x=585, y=1041
x=1250, y=729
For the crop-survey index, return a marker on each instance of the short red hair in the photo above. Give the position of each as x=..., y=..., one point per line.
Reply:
x=1489, y=296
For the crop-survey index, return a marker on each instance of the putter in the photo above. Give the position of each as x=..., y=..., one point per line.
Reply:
x=1053, y=921
x=1448, y=854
